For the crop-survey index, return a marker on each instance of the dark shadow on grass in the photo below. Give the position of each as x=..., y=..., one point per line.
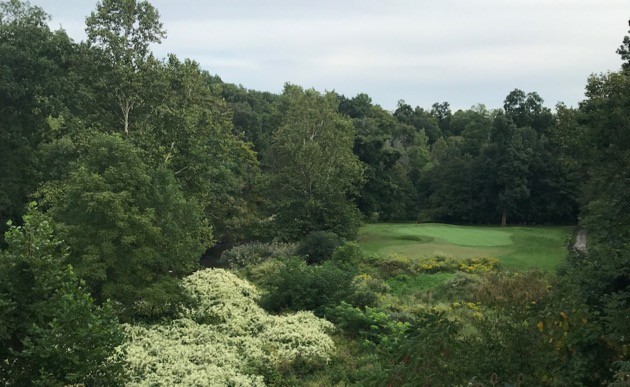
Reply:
x=415, y=238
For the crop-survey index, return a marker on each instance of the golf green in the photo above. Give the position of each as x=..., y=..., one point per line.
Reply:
x=517, y=247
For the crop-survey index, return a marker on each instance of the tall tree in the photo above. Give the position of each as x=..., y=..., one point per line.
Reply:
x=35, y=86
x=123, y=31
x=393, y=154
x=189, y=131
x=442, y=112
x=314, y=173
x=510, y=154
x=130, y=230
x=419, y=119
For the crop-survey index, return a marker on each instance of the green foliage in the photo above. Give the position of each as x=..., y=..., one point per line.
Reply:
x=367, y=290
x=595, y=284
x=119, y=34
x=314, y=173
x=255, y=253
x=227, y=339
x=624, y=52
x=124, y=29
x=458, y=287
x=415, y=287
x=349, y=252
x=188, y=131
x=297, y=286
x=130, y=230
x=36, y=86
x=469, y=341
x=372, y=324
x=394, y=265
x=394, y=154
x=51, y=332
x=318, y=246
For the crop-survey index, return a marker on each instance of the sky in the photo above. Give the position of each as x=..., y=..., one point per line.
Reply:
x=463, y=52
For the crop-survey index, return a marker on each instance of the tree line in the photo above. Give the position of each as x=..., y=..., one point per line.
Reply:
x=120, y=169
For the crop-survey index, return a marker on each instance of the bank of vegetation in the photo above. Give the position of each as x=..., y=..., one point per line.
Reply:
x=120, y=169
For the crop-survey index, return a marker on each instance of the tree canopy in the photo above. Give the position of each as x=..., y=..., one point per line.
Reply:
x=141, y=165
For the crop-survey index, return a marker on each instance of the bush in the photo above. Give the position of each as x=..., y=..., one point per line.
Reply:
x=439, y=263
x=395, y=265
x=479, y=265
x=442, y=263
x=350, y=252
x=513, y=290
x=461, y=286
x=254, y=253
x=298, y=286
x=226, y=339
x=319, y=246
x=373, y=324
x=367, y=290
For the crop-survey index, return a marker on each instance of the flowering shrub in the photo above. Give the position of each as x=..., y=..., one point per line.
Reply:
x=225, y=339
x=440, y=263
x=449, y=264
x=479, y=265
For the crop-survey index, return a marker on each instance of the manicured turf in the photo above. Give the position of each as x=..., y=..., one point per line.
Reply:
x=516, y=247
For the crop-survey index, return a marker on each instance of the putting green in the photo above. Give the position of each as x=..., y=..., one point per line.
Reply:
x=518, y=247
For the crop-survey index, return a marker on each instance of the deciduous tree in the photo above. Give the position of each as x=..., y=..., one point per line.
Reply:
x=314, y=173
x=51, y=331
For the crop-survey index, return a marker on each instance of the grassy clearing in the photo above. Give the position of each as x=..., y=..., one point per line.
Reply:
x=515, y=247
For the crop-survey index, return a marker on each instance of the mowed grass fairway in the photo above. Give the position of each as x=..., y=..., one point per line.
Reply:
x=516, y=247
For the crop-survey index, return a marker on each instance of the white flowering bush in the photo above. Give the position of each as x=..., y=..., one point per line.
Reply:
x=226, y=340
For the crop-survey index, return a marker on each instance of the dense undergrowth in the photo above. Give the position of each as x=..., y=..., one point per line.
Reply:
x=435, y=321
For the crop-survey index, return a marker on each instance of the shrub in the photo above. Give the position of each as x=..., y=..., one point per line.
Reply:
x=461, y=286
x=373, y=324
x=512, y=290
x=350, y=252
x=367, y=290
x=479, y=265
x=298, y=286
x=318, y=246
x=226, y=339
x=394, y=265
x=254, y=253
x=442, y=263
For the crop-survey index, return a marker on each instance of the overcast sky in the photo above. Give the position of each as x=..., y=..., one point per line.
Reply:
x=464, y=52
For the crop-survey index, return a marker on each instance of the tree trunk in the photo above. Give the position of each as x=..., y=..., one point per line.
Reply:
x=126, y=109
x=504, y=219
x=126, y=113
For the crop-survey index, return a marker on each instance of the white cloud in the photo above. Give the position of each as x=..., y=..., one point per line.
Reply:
x=419, y=50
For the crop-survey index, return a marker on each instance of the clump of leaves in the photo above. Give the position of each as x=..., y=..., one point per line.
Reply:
x=254, y=253
x=319, y=246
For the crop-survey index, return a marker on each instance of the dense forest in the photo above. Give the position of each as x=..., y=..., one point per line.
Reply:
x=119, y=170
